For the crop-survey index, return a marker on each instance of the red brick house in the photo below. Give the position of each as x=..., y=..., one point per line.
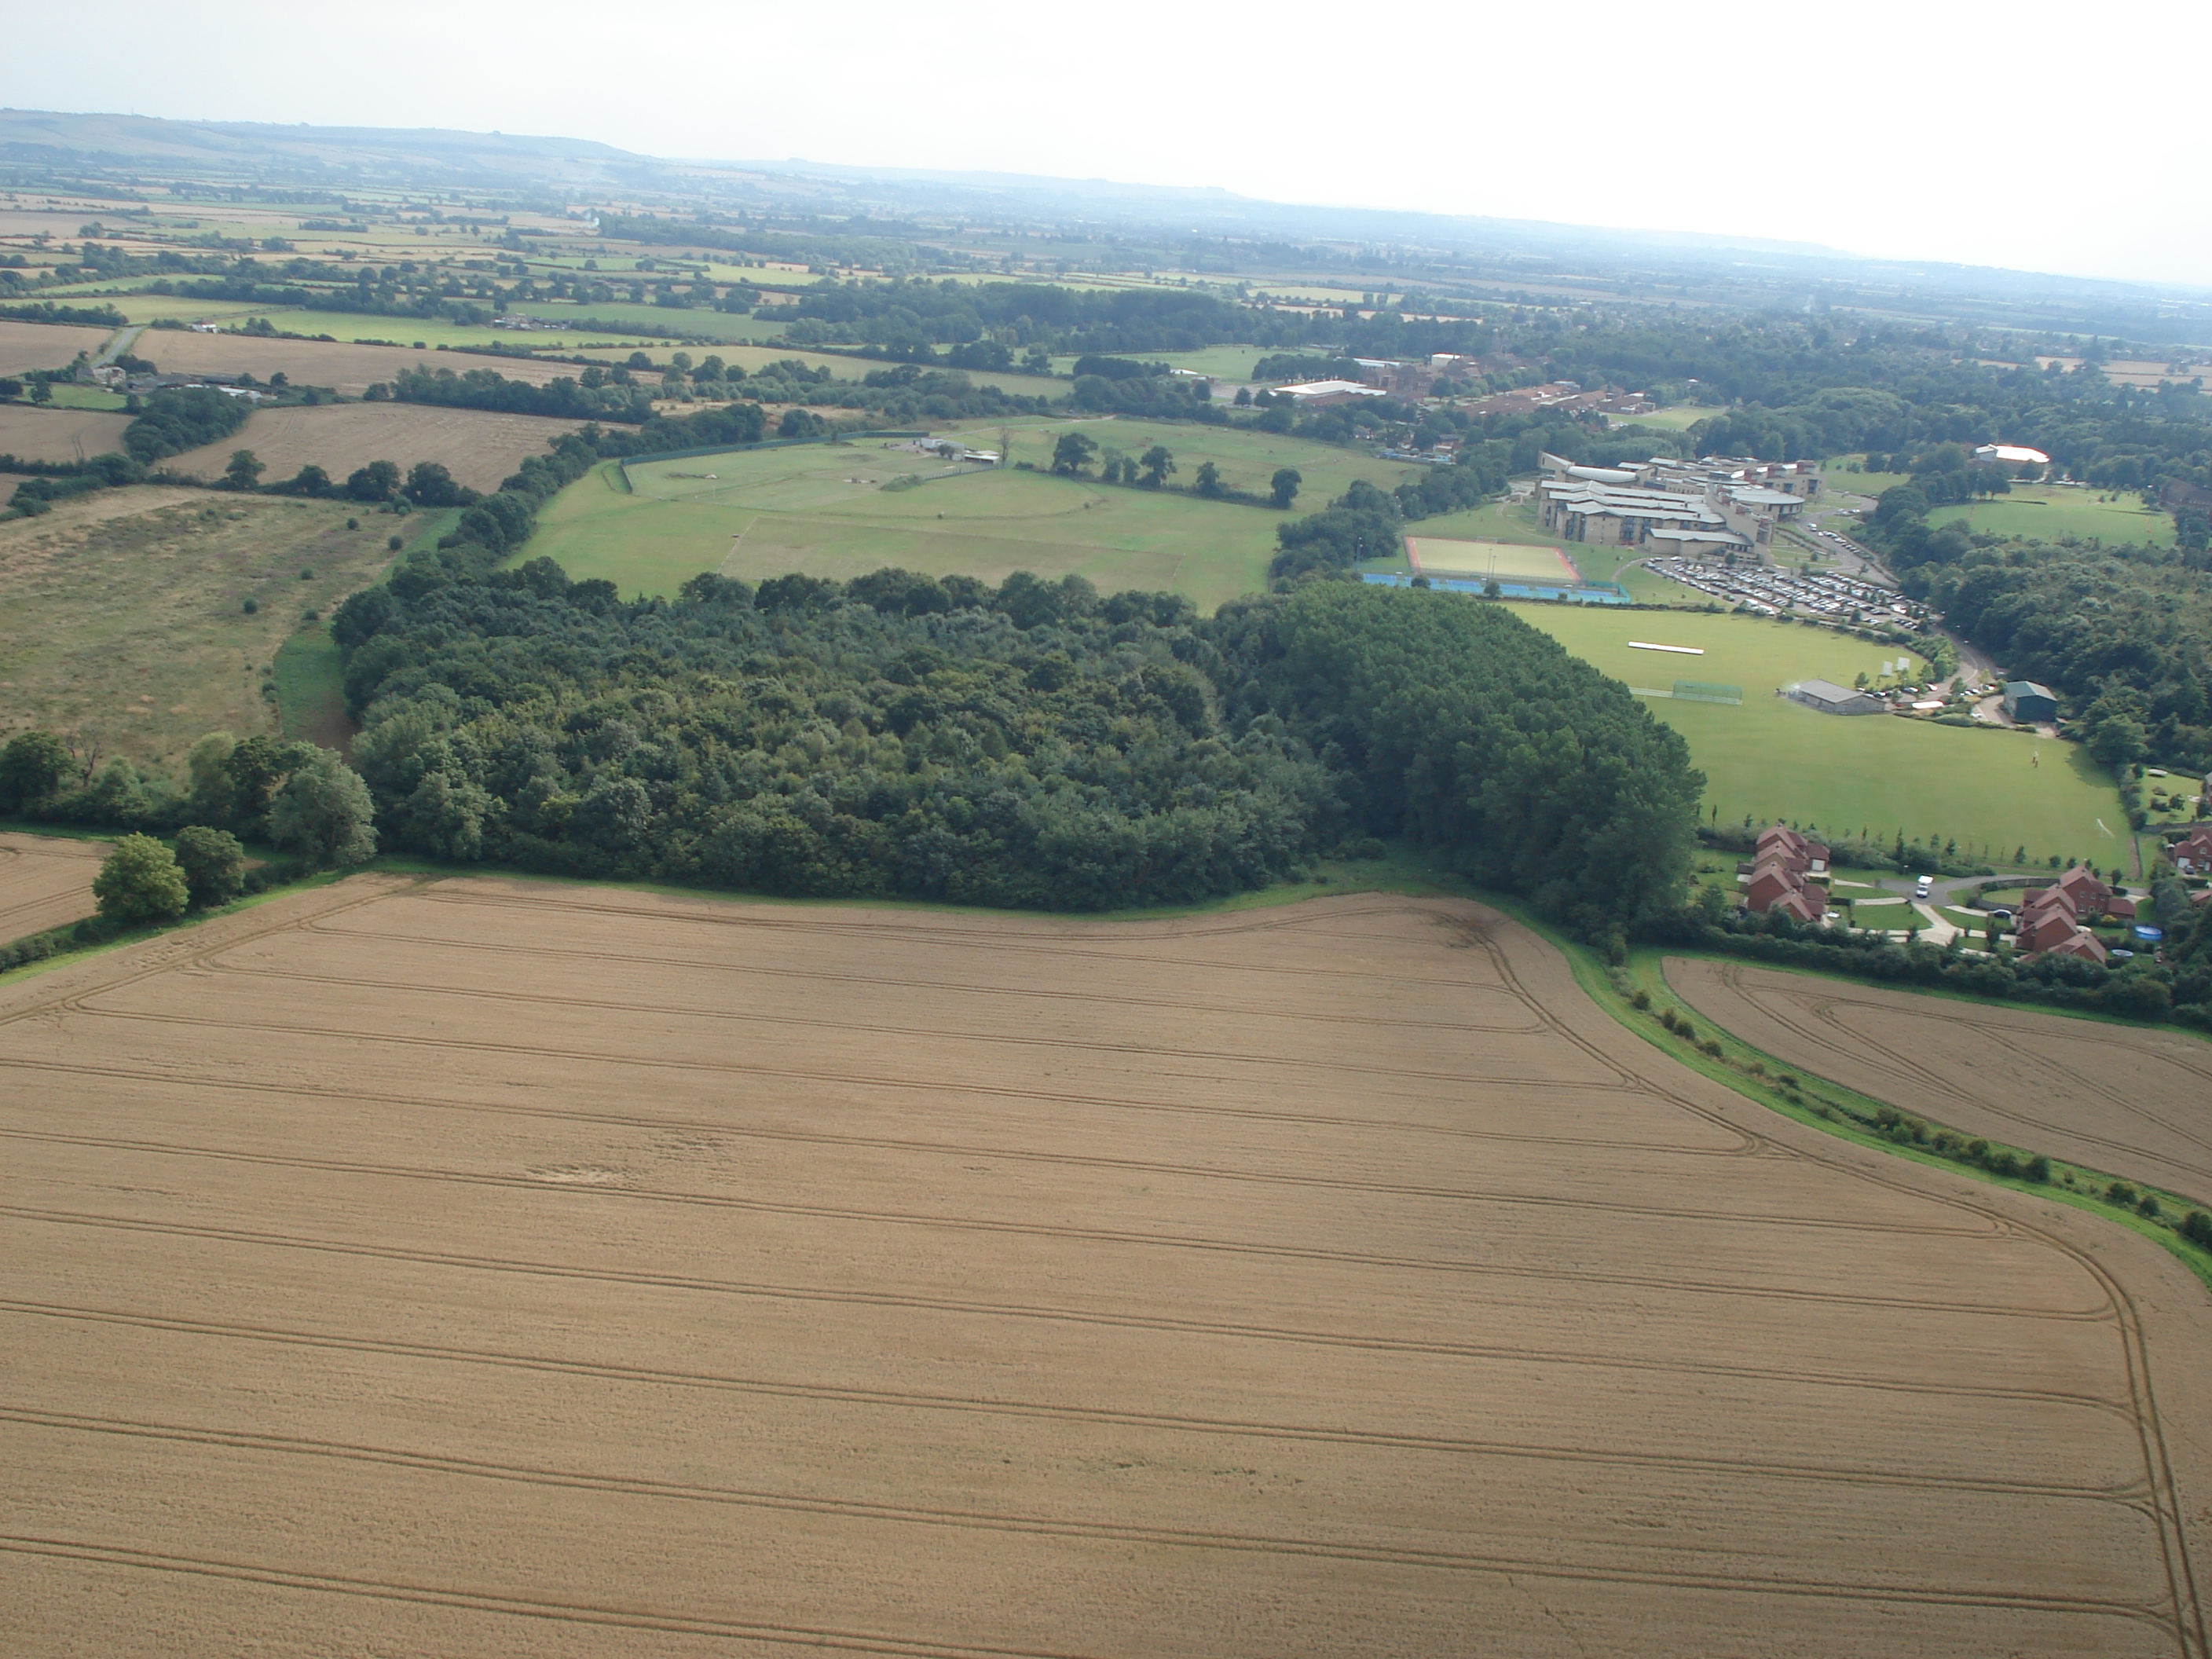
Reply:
x=2192, y=854
x=1781, y=875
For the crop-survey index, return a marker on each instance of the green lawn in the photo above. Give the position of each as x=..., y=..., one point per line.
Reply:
x=2048, y=513
x=821, y=509
x=1773, y=758
x=67, y=394
x=1677, y=418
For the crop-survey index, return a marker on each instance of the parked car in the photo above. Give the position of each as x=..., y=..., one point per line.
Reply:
x=1922, y=887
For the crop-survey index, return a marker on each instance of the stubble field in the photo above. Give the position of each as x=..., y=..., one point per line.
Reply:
x=25, y=346
x=486, y=1268
x=350, y=369
x=2128, y=1101
x=59, y=434
x=479, y=447
x=45, y=882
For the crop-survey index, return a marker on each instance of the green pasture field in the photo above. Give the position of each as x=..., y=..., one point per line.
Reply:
x=1507, y=561
x=1773, y=758
x=753, y=358
x=67, y=394
x=1679, y=418
x=1493, y=521
x=2047, y=513
x=151, y=308
x=713, y=325
x=1227, y=362
x=821, y=508
x=1834, y=478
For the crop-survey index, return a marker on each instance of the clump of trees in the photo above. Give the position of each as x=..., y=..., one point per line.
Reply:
x=1029, y=745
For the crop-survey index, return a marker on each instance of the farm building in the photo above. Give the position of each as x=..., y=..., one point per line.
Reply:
x=1832, y=699
x=2030, y=704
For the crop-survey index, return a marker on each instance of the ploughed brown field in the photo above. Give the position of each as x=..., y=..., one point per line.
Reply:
x=2128, y=1101
x=480, y=1268
x=479, y=447
x=348, y=368
x=45, y=882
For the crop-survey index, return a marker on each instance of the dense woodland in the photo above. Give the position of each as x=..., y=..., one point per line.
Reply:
x=1031, y=745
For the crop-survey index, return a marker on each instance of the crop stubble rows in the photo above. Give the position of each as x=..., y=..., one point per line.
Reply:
x=492, y=1267
x=2132, y=1101
x=45, y=882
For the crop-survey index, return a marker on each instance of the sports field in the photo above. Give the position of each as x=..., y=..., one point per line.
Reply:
x=1774, y=758
x=46, y=881
x=824, y=509
x=482, y=1268
x=2142, y=1108
x=1507, y=561
x=2048, y=513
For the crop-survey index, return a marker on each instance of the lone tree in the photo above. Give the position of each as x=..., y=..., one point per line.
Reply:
x=214, y=865
x=244, y=472
x=1072, y=453
x=1208, y=481
x=324, y=813
x=1158, y=462
x=1283, y=488
x=140, y=881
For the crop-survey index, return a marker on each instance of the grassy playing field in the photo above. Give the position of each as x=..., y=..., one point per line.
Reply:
x=1507, y=561
x=2048, y=513
x=1772, y=757
x=823, y=509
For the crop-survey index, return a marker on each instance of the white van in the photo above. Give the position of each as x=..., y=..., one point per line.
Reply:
x=1922, y=887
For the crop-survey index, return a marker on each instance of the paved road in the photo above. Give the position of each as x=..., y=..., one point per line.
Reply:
x=123, y=340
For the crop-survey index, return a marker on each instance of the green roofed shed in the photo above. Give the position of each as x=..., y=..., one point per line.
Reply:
x=2029, y=703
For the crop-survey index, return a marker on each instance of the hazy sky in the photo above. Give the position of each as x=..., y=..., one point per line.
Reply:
x=2036, y=134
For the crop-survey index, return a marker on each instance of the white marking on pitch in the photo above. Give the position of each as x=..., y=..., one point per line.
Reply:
x=1685, y=650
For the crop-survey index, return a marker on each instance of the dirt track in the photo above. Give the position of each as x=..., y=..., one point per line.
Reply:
x=45, y=882
x=2128, y=1101
x=480, y=1268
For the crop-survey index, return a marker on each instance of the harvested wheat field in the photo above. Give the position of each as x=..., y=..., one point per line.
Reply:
x=348, y=368
x=45, y=882
x=479, y=448
x=27, y=346
x=2124, y=1099
x=59, y=434
x=480, y=1268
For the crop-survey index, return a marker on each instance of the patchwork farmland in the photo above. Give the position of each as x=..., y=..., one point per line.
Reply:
x=487, y=1268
